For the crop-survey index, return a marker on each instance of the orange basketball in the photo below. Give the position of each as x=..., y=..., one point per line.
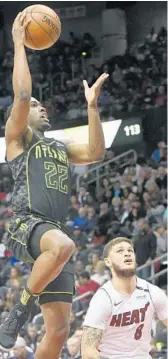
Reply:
x=44, y=28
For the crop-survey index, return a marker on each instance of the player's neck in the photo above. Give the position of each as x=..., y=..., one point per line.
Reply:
x=39, y=133
x=124, y=285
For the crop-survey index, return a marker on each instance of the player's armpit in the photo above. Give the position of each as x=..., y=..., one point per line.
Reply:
x=90, y=342
x=80, y=154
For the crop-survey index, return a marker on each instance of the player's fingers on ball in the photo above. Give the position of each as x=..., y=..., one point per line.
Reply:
x=23, y=18
x=27, y=21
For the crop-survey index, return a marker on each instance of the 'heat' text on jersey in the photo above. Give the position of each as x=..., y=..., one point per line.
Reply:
x=128, y=318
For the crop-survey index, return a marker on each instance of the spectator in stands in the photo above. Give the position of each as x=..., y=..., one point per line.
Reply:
x=116, y=209
x=159, y=154
x=31, y=336
x=81, y=219
x=91, y=221
x=104, y=220
x=161, y=237
x=83, y=195
x=126, y=211
x=145, y=243
x=117, y=190
x=15, y=278
x=79, y=267
x=101, y=275
x=73, y=346
x=136, y=212
x=86, y=285
x=80, y=237
x=95, y=258
x=20, y=350
x=161, y=181
x=160, y=99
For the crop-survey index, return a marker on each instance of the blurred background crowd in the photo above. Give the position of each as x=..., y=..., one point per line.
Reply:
x=129, y=201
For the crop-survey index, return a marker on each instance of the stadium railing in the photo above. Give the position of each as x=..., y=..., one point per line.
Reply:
x=154, y=274
x=96, y=173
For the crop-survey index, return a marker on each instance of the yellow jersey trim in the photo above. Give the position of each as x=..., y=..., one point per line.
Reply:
x=48, y=292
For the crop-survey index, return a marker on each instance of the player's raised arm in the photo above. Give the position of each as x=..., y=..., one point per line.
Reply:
x=22, y=84
x=93, y=151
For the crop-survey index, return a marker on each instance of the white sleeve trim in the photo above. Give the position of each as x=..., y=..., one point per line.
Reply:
x=100, y=310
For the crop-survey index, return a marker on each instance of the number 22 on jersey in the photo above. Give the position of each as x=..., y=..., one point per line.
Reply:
x=56, y=176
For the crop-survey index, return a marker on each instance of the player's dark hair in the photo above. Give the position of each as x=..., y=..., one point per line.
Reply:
x=8, y=112
x=112, y=243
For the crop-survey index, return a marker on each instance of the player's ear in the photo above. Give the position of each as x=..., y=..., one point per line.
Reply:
x=107, y=262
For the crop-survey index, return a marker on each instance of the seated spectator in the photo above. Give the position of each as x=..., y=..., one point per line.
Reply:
x=21, y=351
x=104, y=220
x=161, y=180
x=83, y=195
x=91, y=221
x=160, y=99
x=81, y=219
x=73, y=346
x=148, y=99
x=126, y=211
x=94, y=259
x=117, y=75
x=79, y=267
x=161, y=236
x=116, y=190
x=31, y=336
x=15, y=278
x=160, y=153
x=101, y=275
x=80, y=238
x=86, y=285
x=145, y=244
x=116, y=208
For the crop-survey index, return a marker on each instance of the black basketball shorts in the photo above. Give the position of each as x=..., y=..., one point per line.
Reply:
x=23, y=239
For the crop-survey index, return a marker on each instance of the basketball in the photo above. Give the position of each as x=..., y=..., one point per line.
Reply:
x=44, y=28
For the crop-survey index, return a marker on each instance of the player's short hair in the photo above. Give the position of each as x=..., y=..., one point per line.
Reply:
x=8, y=112
x=112, y=243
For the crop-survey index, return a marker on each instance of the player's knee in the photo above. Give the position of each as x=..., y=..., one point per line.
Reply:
x=64, y=250
x=58, y=335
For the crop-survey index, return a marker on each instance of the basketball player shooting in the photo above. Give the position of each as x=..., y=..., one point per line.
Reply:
x=119, y=319
x=41, y=173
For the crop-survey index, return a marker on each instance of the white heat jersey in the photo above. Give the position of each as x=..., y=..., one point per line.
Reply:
x=126, y=321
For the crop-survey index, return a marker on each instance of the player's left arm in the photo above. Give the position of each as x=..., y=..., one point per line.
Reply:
x=91, y=339
x=94, y=151
x=97, y=316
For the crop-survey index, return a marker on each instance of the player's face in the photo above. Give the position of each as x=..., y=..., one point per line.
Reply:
x=38, y=118
x=121, y=260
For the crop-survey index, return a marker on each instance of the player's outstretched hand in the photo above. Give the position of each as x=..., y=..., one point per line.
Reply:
x=92, y=93
x=19, y=27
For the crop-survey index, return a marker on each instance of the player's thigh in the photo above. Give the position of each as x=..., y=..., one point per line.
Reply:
x=55, y=238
